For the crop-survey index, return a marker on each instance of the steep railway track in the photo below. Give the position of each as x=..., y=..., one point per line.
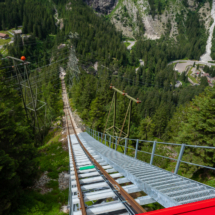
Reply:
x=95, y=183
x=105, y=177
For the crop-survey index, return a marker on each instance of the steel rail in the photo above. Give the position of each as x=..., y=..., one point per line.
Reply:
x=79, y=193
x=138, y=209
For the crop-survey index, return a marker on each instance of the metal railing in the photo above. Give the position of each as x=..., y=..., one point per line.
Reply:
x=107, y=140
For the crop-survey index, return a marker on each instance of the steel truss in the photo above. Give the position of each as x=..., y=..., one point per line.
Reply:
x=28, y=93
x=116, y=133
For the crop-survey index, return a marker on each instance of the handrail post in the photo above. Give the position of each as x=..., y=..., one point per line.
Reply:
x=109, y=141
x=126, y=144
x=116, y=143
x=105, y=138
x=153, y=152
x=179, y=158
x=137, y=143
x=98, y=135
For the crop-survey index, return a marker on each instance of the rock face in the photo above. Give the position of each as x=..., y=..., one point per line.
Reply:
x=134, y=17
x=102, y=6
x=207, y=56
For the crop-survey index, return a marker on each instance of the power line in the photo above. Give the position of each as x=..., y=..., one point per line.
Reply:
x=40, y=42
x=42, y=66
x=21, y=64
x=32, y=78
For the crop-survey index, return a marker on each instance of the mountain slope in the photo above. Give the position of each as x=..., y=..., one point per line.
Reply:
x=151, y=18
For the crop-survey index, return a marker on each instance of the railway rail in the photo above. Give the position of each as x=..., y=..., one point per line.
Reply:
x=107, y=179
x=99, y=181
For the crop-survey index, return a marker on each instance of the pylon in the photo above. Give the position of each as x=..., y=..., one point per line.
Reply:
x=29, y=97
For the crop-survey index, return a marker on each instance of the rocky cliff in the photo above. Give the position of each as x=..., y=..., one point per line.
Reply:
x=102, y=6
x=150, y=18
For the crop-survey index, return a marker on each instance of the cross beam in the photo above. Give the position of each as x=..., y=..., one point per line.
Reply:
x=116, y=131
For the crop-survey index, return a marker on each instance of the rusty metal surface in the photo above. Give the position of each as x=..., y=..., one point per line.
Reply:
x=125, y=195
x=79, y=193
x=137, y=208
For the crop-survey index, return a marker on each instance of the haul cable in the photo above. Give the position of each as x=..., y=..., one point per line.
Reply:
x=137, y=208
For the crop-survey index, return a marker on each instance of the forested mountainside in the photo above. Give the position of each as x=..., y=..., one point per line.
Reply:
x=167, y=112
x=152, y=18
x=37, y=18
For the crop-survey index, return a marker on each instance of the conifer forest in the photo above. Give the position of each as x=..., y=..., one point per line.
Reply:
x=74, y=37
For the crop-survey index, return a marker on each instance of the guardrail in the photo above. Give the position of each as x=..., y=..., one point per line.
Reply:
x=154, y=145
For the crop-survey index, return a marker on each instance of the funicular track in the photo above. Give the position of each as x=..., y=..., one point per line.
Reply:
x=96, y=183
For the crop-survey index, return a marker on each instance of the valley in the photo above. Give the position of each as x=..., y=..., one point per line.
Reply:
x=161, y=53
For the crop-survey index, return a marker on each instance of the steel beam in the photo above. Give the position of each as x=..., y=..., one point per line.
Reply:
x=114, y=206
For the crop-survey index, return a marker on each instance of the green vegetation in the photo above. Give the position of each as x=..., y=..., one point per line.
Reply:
x=98, y=38
x=113, y=11
x=127, y=44
x=157, y=6
x=19, y=141
x=4, y=42
x=35, y=17
x=127, y=38
x=210, y=70
x=191, y=77
x=193, y=125
x=54, y=159
x=18, y=164
x=163, y=113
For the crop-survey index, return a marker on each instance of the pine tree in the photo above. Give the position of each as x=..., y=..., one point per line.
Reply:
x=18, y=166
x=198, y=128
x=145, y=127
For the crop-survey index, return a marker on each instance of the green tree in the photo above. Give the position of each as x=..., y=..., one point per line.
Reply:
x=145, y=127
x=172, y=129
x=204, y=81
x=96, y=114
x=199, y=129
x=18, y=166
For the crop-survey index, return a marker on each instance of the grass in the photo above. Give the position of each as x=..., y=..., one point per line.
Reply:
x=127, y=44
x=54, y=160
x=184, y=84
x=4, y=42
x=113, y=11
x=191, y=77
x=3, y=51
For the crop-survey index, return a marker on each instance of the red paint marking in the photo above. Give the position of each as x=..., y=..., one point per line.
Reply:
x=206, y=207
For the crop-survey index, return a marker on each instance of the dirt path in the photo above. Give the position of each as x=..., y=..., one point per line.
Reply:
x=131, y=45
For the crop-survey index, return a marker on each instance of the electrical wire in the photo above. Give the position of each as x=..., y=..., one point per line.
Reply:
x=21, y=64
x=22, y=73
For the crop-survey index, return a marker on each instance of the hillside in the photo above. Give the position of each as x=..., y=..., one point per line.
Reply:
x=151, y=18
x=87, y=45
